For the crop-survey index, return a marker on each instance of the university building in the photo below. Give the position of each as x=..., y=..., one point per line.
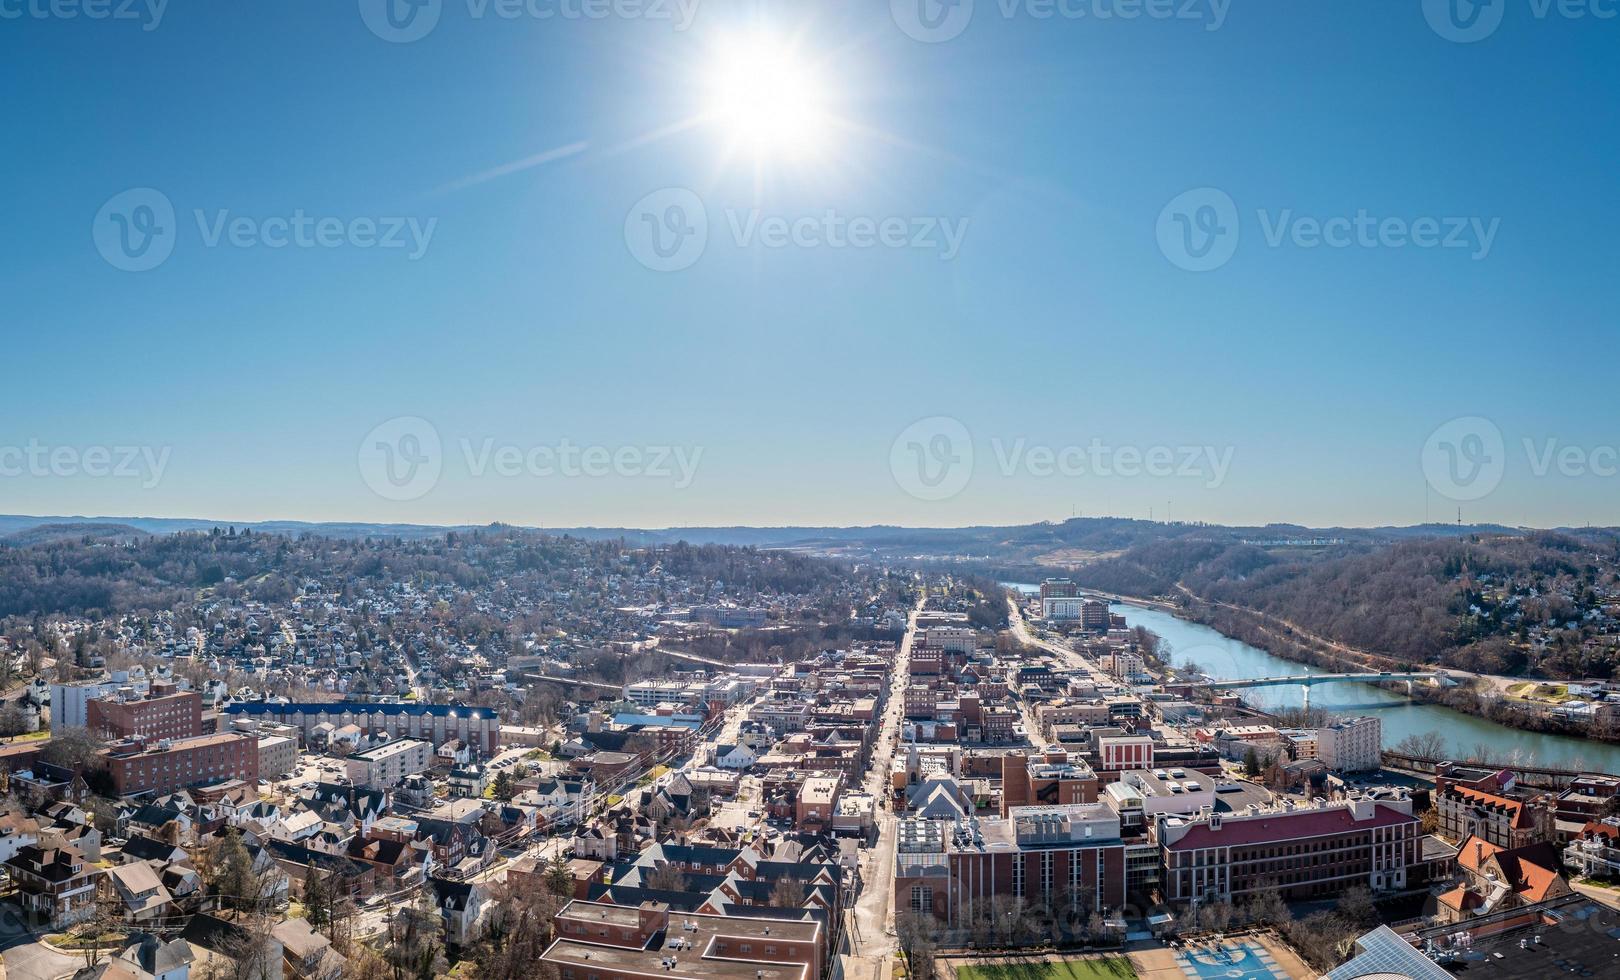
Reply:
x=599, y=941
x=1041, y=854
x=1304, y=852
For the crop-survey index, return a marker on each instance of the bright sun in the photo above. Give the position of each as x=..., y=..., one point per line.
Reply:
x=767, y=99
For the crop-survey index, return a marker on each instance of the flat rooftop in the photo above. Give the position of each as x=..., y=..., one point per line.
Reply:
x=1585, y=943
x=690, y=942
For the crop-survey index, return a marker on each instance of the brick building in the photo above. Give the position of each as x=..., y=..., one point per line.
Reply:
x=55, y=884
x=615, y=942
x=1048, y=779
x=1120, y=752
x=148, y=766
x=1041, y=854
x=1304, y=852
x=1475, y=803
x=177, y=715
x=818, y=801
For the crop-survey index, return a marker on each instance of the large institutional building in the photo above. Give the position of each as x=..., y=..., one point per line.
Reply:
x=1303, y=852
x=954, y=869
x=177, y=715
x=434, y=723
x=163, y=766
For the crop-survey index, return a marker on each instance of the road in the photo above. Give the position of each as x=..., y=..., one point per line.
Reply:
x=871, y=922
x=32, y=960
x=1065, y=655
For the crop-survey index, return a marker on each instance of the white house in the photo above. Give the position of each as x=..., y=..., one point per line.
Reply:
x=735, y=756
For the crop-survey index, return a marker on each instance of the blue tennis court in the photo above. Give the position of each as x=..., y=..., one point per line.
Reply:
x=1230, y=961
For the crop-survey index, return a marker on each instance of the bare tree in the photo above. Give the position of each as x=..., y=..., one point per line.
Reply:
x=666, y=877
x=788, y=893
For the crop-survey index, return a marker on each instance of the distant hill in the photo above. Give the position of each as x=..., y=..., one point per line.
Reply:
x=1541, y=601
x=48, y=533
x=1073, y=542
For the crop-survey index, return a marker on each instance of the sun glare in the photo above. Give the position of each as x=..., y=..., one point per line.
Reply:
x=767, y=99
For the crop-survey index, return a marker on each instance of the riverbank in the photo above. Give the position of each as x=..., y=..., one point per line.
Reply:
x=1468, y=735
x=1287, y=643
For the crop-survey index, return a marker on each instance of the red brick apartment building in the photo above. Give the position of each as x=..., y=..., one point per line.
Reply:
x=177, y=715
x=927, y=660
x=1305, y=852
x=1038, y=853
x=162, y=766
x=597, y=941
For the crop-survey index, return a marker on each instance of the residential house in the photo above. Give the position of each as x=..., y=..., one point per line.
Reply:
x=139, y=893
x=54, y=882
x=308, y=954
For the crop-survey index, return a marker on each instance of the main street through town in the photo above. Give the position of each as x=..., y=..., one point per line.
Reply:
x=870, y=923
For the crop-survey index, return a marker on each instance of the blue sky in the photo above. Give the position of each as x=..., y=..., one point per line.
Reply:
x=1294, y=381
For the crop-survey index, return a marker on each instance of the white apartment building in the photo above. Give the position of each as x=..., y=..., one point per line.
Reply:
x=1063, y=607
x=651, y=693
x=1352, y=745
x=388, y=764
x=69, y=702
x=955, y=639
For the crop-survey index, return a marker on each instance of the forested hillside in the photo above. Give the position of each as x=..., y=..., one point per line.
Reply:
x=1496, y=604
